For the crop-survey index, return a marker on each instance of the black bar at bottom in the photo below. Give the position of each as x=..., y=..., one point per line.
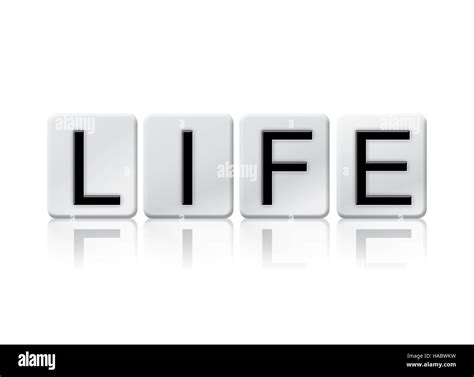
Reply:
x=237, y=360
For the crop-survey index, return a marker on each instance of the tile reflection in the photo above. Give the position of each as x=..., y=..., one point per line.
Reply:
x=381, y=243
x=188, y=243
x=89, y=243
x=187, y=248
x=271, y=243
x=284, y=243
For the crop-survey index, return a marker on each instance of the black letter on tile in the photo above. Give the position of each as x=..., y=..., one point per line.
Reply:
x=269, y=166
x=363, y=166
x=187, y=167
x=79, y=197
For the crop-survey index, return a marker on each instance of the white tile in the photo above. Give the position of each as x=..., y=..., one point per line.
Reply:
x=397, y=193
x=303, y=140
x=171, y=189
x=92, y=165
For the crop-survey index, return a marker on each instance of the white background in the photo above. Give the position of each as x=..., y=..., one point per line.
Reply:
x=236, y=57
